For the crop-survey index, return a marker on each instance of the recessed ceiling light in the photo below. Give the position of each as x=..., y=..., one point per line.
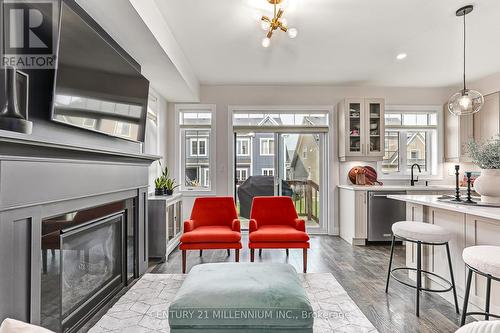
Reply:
x=401, y=56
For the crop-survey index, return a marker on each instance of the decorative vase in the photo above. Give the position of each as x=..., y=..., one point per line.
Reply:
x=11, y=118
x=488, y=185
x=159, y=191
x=169, y=192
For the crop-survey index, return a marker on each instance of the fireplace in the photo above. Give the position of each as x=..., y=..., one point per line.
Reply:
x=87, y=256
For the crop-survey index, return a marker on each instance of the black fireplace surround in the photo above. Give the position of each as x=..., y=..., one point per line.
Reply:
x=87, y=256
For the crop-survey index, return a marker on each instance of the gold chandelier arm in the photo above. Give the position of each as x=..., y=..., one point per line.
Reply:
x=283, y=28
x=280, y=13
x=266, y=19
x=270, y=33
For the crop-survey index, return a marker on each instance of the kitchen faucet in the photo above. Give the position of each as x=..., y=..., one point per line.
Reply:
x=413, y=180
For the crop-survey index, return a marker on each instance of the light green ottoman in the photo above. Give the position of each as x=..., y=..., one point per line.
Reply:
x=241, y=297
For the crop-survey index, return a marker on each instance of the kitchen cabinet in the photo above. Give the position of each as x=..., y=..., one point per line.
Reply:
x=165, y=225
x=481, y=126
x=487, y=121
x=354, y=207
x=458, y=131
x=465, y=230
x=361, y=129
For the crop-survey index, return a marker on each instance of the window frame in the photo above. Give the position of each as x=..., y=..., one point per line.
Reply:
x=437, y=164
x=269, y=170
x=239, y=171
x=210, y=148
x=238, y=153
x=268, y=140
x=197, y=140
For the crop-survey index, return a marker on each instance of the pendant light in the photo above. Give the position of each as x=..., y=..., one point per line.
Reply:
x=466, y=101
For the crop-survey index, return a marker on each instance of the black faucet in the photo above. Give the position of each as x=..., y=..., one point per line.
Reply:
x=413, y=180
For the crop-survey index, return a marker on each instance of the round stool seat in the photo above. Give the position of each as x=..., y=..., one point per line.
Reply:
x=422, y=232
x=480, y=327
x=484, y=258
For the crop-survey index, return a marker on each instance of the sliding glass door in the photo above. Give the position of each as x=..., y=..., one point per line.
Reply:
x=270, y=163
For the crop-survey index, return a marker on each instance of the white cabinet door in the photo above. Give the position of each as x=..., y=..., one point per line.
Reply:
x=487, y=121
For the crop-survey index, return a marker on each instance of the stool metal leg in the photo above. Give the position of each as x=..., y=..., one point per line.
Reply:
x=419, y=276
x=390, y=264
x=466, y=297
x=452, y=278
x=488, y=293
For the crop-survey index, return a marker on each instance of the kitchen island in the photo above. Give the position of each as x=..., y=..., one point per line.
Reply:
x=469, y=226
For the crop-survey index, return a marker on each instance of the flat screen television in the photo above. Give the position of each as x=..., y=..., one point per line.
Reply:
x=96, y=87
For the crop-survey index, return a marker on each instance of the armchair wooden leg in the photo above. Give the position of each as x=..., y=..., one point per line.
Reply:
x=260, y=252
x=252, y=255
x=305, y=260
x=228, y=252
x=287, y=252
x=237, y=255
x=201, y=253
x=183, y=261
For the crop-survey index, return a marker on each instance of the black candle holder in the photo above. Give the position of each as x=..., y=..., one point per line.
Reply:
x=469, y=190
x=457, y=191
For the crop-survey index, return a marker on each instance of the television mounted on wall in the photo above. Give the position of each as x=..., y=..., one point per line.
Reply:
x=98, y=86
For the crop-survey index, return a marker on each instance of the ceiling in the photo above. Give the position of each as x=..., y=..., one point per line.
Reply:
x=344, y=42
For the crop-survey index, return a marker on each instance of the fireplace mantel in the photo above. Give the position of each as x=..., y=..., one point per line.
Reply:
x=41, y=179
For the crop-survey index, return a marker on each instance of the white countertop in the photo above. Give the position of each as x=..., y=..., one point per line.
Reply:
x=432, y=201
x=398, y=187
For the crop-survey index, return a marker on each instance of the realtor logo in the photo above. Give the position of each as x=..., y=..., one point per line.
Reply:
x=28, y=34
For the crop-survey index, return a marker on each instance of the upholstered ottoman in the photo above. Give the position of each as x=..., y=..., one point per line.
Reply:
x=241, y=297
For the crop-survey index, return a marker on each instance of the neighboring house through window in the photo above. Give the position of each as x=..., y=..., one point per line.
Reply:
x=412, y=135
x=196, y=146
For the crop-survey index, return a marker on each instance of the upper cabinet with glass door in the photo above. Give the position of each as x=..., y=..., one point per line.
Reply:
x=361, y=129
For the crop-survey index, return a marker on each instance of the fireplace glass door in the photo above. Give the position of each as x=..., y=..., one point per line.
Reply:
x=91, y=258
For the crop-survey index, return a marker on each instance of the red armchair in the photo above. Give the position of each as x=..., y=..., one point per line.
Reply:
x=274, y=224
x=213, y=224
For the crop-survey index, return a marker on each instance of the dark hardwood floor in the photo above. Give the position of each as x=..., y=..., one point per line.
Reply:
x=361, y=271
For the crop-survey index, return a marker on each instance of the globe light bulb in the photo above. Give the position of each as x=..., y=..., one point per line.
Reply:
x=292, y=33
x=266, y=42
x=465, y=102
x=265, y=25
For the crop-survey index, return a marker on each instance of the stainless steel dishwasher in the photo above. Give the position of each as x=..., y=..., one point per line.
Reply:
x=382, y=213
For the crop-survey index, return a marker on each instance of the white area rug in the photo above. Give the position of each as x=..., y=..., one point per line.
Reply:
x=144, y=308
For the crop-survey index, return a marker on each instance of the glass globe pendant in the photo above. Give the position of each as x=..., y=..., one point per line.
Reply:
x=466, y=101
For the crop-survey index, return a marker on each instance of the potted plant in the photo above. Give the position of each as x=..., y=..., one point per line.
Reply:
x=170, y=186
x=159, y=186
x=487, y=156
x=168, y=183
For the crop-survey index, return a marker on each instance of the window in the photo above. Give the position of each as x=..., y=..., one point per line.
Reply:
x=122, y=129
x=241, y=174
x=411, y=136
x=266, y=147
x=267, y=172
x=196, y=148
x=89, y=122
x=243, y=147
x=152, y=138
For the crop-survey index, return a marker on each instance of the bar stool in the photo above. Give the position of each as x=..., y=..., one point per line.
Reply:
x=421, y=234
x=480, y=327
x=483, y=260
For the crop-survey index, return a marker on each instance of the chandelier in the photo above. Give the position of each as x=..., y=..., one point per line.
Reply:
x=277, y=22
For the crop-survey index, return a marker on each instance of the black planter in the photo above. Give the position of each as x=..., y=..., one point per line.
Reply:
x=159, y=191
x=169, y=192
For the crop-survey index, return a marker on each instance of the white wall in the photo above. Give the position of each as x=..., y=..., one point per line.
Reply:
x=223, y=96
